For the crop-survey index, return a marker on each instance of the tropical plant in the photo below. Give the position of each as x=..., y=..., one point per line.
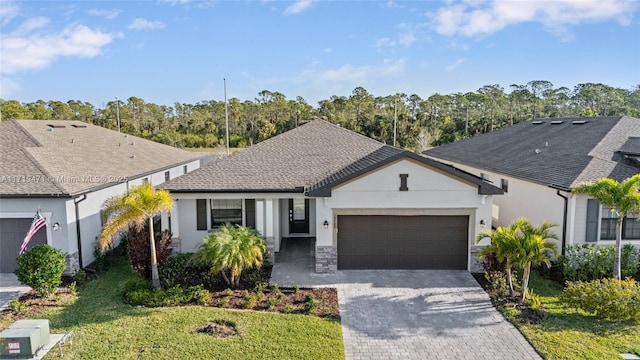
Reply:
x=139, y=205
x=504, y=245
x=232, y=249
x=534, y=249
x=520, y=245
x=622, y=198
x=139, y=253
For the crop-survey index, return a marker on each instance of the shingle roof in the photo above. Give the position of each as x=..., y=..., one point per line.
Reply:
x=554, y=152
x=311, y=158
x=72, y=157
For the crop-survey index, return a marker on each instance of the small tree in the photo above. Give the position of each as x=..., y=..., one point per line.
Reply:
x=41, y=269
x=504, y=245
x=621, y=198
x=533, y=249
x=139, y=205
x=232, y=249
x=140, y=253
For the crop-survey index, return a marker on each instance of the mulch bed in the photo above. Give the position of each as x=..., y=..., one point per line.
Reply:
x=291, y=301
x=526, y=314
x=35, y=304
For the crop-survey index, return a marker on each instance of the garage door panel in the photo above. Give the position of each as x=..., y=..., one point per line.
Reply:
x=402, y=242
x=12, y=233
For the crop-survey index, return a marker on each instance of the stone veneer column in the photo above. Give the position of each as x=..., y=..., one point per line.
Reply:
x=73, y=264
x=326, y=259
x=475, y=265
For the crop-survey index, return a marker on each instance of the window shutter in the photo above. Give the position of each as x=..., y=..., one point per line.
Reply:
x=592, y=220
x=250, y=213
x=201, y=214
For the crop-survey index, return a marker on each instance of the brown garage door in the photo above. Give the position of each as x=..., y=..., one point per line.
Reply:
x=402, y=242
x=12, y=232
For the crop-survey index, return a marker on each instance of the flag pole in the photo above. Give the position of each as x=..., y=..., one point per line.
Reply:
x=226, y=113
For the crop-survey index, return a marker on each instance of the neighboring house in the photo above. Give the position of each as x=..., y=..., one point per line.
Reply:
x=66, y=170
x=368, y=205
x=537, y=163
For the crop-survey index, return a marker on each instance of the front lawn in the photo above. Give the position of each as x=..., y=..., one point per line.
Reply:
x=572, y=334
x=104, y=327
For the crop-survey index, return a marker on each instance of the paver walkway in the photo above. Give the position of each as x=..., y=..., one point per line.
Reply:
x=10, y=288
x=411, y=314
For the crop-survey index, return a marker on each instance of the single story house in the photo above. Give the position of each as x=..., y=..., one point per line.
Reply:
x=368, y=205
x=537, y=164
x=66, y=170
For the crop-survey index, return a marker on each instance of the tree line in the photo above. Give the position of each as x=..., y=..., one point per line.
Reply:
x=421, y=123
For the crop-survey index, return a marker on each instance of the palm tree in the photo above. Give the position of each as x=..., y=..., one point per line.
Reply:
x=139, y=205
x=532, y=249
x=232, y=249
x=504, y=244
x=621, y=198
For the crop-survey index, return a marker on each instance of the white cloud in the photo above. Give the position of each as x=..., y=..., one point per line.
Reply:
x=107, y=14
x=8, y=11
x=407, y=34
x=26, y=49
x=385, y=42
x=479, y=17
x=8, y=87
x=326, y=50
x=144, y=24
x=175, y=2
x=298, y=7
x=454, y=65
x=361, y=73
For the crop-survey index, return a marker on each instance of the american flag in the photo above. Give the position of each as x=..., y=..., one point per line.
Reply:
x=38, y=223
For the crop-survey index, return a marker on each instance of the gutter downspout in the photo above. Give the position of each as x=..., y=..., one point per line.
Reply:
x=76, y=202
x=564, y=220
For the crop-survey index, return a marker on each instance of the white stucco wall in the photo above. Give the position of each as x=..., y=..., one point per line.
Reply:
x=431, y=192
x=537, y=203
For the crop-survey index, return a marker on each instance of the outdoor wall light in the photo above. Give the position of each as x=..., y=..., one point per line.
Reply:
x=326, y=224
x=482, y=223
x=56, y=226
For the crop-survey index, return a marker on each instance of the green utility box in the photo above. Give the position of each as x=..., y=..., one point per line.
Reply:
x=23, y=339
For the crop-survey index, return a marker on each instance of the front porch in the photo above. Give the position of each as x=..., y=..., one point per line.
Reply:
x=295, y=264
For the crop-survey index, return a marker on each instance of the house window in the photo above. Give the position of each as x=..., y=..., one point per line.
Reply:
x=630, y=226
x=184, y=169
x=504, y=184
x=167, y=176
x=608, y=224
x=226, y=211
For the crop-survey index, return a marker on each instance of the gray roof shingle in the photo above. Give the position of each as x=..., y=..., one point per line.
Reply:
x=554, y=152
x=311, y=158
x=73, y=157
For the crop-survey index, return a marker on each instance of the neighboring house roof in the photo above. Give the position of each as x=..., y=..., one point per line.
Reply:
x=68, y=158
x=311, y=158
x=559, y=152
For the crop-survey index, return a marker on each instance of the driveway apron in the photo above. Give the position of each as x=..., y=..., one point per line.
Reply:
x=424, y=314
x=10, y=289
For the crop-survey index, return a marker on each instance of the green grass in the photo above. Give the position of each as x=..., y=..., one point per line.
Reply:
x=105, y=328
x=572, y=334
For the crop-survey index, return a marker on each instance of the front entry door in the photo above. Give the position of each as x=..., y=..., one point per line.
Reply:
x=298, y=216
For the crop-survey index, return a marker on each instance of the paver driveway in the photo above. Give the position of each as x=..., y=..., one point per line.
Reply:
x=408, y=314
x=424, y=314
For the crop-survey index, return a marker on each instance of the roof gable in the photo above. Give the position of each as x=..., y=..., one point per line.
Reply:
x=554, y=152
x=63, y=157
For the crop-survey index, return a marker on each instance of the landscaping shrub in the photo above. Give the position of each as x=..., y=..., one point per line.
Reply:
x=606, y=298
x=172, y=296
x=310, y=304
x=137, y=284
x=140, y=252
x=588, y=261
x=17, y=306
x=498, y=282
x=182, y=270
x=41, y=269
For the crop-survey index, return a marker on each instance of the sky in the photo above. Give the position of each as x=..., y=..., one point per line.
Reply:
x=180, y=51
